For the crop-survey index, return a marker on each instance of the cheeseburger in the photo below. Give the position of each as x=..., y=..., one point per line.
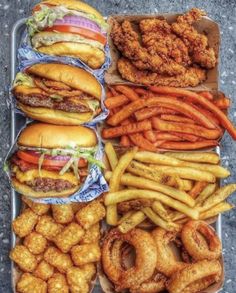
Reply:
x=68, y=28
x=52, y=160
x=58, y=93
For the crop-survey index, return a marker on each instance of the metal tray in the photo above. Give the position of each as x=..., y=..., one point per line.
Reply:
x=18, y=121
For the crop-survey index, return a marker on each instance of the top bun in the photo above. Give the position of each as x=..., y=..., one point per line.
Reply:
x=50, y=136
x=72, y=76
x=75, y=5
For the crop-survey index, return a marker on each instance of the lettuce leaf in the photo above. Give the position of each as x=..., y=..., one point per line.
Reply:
x=23, y=79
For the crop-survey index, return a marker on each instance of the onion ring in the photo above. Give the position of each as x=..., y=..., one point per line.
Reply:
x=192, y=242
x=195, y=276
x=166, y=260
x=145, y=261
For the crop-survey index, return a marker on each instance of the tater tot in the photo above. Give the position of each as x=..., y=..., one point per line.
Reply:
x=91, y=235
x=86, y=253
x=59, y=260
x=58, y=284
x=39, y=208
x=35, y=242
x=23, y=258
x=62, y=213
x=30, y=284
x=48, y=227
x=76, y=206
x=76, y=280
x=89, y=271
x=39, y=257
x=91, y=214
x=44, y=270
x=70, y=236
x=24, y=224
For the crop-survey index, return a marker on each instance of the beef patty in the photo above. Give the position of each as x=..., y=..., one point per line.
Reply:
x=48, y=184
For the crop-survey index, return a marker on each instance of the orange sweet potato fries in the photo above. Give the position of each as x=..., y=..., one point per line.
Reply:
x=168, y=118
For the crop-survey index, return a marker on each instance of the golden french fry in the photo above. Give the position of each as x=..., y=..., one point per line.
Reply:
x=184, y=184
x=142, y=183
x=159, y=209
x=168, y=226
x=175, y=216
x=111, y=215
x=131, y=222
x=218, y=196
x=111, y=155
x=216, y=210
x=155, y=158
x=207, y=191
x=125, y=217
x=201, y=157
x=124, y=195
x=185, y=172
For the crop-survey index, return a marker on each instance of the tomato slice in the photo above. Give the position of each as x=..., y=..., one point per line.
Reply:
x=77, y=30
x=34, y=159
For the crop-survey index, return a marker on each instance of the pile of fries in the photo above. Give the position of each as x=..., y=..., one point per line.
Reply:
x=168, y=189
x=166, y=118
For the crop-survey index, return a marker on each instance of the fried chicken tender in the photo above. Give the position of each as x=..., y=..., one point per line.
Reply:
x=38, y=208
x=30, y=284
x=197, y=43
x=24, y=224
x=158, y=38
x=127, y=41
x=57, y=259
x=90, y=214
x=35, y=242
x=44, y=270
x=63, y=214
x=92, y=235
x=86, y=253
x=192, y=77
x=57, y=284
x=23, y=258
x=48, y=227
x=70, y=236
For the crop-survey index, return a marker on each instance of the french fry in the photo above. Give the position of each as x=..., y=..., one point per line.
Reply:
x=125, y=217
x=176, y=118
x=185, y=173
x=164, y=136
x=159, y=209
x=175, y=216
x=185, y=136
x=116, y=101
x=127, y=91
x=125, y=141
x=139, y=140
x=206, y=192
x=150, y=135
x=184, y=184
x=173, y=145
x=216, y=210
x=111, y=155
x=124, y=195
x=113, y=91
x=126, y=129
x=142, y=183
x=197, y=157
x=206, y=95
x=151, y=112
x=142, y=92
x=131, y=222
x=222, y=103
x=217, y=197
x=156, y=158
x=109, y=94
x=158, y=143
x=111, y=215
x=197, y=188
x=168, y=226
x=197, y=130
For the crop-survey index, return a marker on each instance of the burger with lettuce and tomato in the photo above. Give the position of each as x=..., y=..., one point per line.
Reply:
x=68, y=28
x=52, y=160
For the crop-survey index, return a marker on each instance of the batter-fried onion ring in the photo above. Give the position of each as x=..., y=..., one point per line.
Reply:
x=192, y=242
x=145, y=261
x=195, y=277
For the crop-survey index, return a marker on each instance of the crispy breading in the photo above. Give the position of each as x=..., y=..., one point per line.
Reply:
x=24, y=223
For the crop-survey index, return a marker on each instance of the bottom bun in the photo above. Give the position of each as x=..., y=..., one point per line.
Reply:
x=28, y=191
x=92, y=56
x=55, y=116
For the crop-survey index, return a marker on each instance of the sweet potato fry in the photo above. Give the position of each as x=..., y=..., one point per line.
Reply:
x=222, y=103
x=150, y=135
x=151, y=112
x=173, y=145
x=167, y=136
x=125, y=141
x=127, y=91
x=206, y=95
x=116, y=101
x=209, y=105
x=197, y=130
x=126, y=129
x=208, y=114
x=185, y=136
x=197, y=188
x=109, y=94
x=176, y=118
x=141, y=91
x=113, y=91
x=139, y=140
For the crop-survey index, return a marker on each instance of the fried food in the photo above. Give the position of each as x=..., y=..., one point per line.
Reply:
x=85, y=254
x=131, y=222
x=28, y=284
x=92, y=235
x=191, y=278
x=70, y=236
x=24, y=224
x=44, y=270
x=191, y=242
x=198, y=157
x=38, y=208
x=145, y=262
x=57, y=259
x=48, y=227
x=35, y=242
x=23, y=258
x=135, y=204
x=91, y=214
x=63, y=214
x=58, y=284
